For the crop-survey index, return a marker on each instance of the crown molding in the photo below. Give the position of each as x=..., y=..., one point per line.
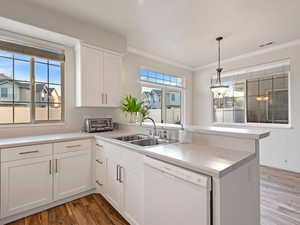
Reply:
x=139, y=52
x=251, y=54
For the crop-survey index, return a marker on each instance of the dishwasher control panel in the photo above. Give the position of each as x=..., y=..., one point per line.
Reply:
x=187, y=175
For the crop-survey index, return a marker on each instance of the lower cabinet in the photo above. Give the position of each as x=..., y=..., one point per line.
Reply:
x=25, y=184
x=72, y=173
x=124, y=182
x=33, y=176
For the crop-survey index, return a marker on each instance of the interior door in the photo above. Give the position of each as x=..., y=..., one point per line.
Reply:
x=72, y=173
x=112, y=78
x=25, y=184
x=92, y=77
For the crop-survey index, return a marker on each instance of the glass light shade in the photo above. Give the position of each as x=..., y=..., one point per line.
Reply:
x=219, y=90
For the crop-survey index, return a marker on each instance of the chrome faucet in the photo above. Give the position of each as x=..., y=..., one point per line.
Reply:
x=154, y=125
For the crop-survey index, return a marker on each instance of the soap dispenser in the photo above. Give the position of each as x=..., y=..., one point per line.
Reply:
x=184, y=137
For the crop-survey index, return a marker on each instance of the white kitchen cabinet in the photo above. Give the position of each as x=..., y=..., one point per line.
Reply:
x=111, y=78
x=124, y=182
x=72, y=173
x=100, y=169
x=25, y=184
x=113, y=187
x=98, y=77
x=37, y=175
x=133, y=196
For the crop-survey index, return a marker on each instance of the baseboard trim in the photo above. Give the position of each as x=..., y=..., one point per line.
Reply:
x=30, y=212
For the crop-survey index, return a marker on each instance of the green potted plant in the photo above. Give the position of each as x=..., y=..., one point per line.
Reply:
x=131, y=106
x=144, y=112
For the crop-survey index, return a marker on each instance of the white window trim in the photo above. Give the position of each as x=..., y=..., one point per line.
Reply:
x=165, y=88
x=39, y=43
x=257, y=125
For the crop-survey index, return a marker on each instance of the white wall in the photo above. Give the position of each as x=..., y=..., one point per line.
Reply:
x=130, y=80
x=281, y=149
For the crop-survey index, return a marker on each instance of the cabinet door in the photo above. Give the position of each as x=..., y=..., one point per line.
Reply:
x=72, y=173
x=113, y=191
x=91, y=77
x=112, y=78
x=112, y=188
x=132, y=178
x=133, y=197
x=25, y=184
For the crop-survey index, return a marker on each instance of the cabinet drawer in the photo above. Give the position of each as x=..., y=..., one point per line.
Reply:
x=71, y=146
x=100, y=154
x=25, y=152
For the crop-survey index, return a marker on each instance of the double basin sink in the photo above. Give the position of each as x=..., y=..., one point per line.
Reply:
x=143, y=140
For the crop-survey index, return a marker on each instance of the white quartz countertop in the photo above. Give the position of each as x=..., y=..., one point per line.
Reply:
x=43, y=139
x=230, y=132
x=210, y=160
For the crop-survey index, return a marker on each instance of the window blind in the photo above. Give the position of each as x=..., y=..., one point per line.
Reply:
x=32, y=51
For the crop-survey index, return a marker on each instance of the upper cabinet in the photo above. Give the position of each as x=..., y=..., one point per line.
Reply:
x=98, y=77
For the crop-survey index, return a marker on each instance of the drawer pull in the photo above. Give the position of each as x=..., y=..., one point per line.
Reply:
x=24, y=153
x=72, y=146
x=100, y=146
x=50, y=167
x=100, y=184
x=98, y=161
x=56, y=166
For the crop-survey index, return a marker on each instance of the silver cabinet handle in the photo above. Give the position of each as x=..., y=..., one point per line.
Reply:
x=120, y=174
x=106, y=98
x=24, y=153
x=72, y=146
x=50, y=167
x=56, y=167
x=98, y=145
x=117, y=172
x=98, y=161
x=98, y=182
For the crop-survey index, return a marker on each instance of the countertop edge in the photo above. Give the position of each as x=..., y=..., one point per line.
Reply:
x=47, y=140
x=180, y=163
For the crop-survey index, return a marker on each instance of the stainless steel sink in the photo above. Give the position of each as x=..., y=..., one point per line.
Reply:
x=134, y=137
x=143, y=140
x=150, y=142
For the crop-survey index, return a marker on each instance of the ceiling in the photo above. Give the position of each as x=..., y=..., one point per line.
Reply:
x=184, y=31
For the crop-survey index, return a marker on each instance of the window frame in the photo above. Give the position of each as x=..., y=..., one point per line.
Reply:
x=252, y=124
x=163, y=89
x=32, y=82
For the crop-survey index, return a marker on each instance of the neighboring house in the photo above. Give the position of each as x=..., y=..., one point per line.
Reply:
x=173, y=99
x=153, y=99
x=22, y=91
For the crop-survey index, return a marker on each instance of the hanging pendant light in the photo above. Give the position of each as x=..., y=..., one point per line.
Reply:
x=219, y=89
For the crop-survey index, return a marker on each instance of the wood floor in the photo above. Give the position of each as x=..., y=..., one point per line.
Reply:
x=90, y=210
x=280, y=197
x=280, y=205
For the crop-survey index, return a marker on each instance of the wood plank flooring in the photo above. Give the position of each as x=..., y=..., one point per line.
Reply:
x=89, y=210
x=280, y=205
x=280, y=197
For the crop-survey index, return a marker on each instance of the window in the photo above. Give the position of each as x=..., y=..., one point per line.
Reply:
x=260, y=96
x=31, y=85
x=162, y=95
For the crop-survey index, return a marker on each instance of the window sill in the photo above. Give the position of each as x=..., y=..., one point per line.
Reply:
x=32, y=125
x=254, y=125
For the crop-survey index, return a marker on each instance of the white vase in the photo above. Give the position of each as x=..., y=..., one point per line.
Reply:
x=132, y=118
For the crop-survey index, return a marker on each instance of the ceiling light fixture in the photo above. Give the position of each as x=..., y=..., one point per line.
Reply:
x=219, y=89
